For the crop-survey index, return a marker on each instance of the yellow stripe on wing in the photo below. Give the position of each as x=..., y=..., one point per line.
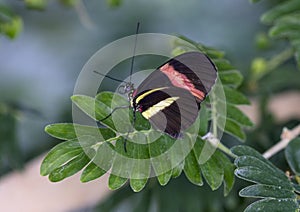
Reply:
x=138, y=99
x=158, y=107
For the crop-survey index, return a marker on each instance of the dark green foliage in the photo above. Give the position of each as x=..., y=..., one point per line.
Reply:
x=10, y=23
x=114, y=3
x=96, y=149
x=285, y=21
x=271, y=184
x=166, y=157
x=10, y=154
x=292, y=155
x=179, y=195
x=61, y=160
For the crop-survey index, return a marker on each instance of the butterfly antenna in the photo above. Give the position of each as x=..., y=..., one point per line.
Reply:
x=131, y=70
x=116, y=108
x=135, y=41
x=118, y=80
x=125, y=142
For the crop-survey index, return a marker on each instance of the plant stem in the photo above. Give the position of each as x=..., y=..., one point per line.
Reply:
x=226, y=150
x=280, y=58
x=286, y=136
x=217, y=143
x=214, y=115
x=276, y=61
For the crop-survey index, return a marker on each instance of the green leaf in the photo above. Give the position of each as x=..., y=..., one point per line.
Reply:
x=296, y=44
x=203, y=119
x=235, y=97
x=284, y=29
x=177, y=170
x=273, y=205
x=100, y=164
x=130, y=165
x=115, y=182
x=228, y=172
x=223, y=65
x=212, y=52
x=234, y=114
x=164, y=178
x=69, y=3
x=284, y=8
x=114, y=3
x=12, y=27
x=68, y=131
x=272, y=184
x=276, y=176
x=292, y=155
x=95, y=109
x=167, y=153
x=36, y=4
x=213, y=172
x=138, y=184
x=217, y=169
x=285, y=18
x=59, y=155
x=91, y=172
x=111, y=99
x=66, y=151
x=192, y=168
x=141, y=123
x=70, y=168
x=161, y=162
x=98, y=110
x=231, y=78
x=134, y=163
x=136, y=146
x=232, y=128
x=241, y=150
x=254, y=1
x=265, y=191
x=10, y=150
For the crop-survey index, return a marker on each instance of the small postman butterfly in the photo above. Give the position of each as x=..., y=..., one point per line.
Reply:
x=170, y=96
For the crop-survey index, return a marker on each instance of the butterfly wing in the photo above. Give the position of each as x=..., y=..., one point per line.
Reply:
x=169, y=109
x=170, y=96
x=192, y=71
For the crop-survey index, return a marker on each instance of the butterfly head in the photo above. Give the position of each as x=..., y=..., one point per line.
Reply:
x=127, y=88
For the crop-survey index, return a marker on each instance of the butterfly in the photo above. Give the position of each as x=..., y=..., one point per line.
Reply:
x=170, y=96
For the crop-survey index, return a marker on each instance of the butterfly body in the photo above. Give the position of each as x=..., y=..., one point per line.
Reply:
x=170, y=96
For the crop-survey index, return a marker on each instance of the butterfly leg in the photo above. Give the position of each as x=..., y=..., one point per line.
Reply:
x=125, y=142
x=124, y=145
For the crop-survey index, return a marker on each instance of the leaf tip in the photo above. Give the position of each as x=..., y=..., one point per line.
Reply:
x=47, y=128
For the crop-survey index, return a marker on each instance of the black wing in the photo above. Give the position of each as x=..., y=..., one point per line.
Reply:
x=170, y=110
x=195, y=66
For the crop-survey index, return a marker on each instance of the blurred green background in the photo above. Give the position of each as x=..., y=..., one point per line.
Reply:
x=39, y=68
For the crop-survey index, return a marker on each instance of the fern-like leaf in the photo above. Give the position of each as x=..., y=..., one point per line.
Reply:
x=272, y=186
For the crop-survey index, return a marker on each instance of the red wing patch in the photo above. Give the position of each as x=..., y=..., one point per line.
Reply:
x=180, y=80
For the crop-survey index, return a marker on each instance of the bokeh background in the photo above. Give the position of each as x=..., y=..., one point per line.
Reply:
x=39, y=68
